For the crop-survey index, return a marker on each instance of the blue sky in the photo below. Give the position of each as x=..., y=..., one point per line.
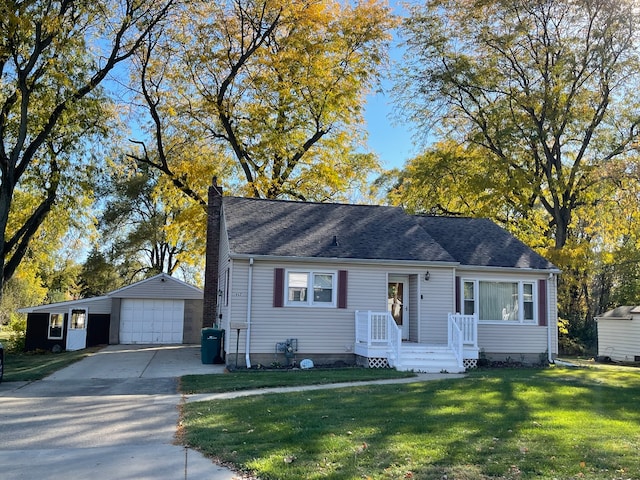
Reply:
x=391, y=140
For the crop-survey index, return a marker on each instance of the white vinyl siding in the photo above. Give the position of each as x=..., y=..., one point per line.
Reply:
x=619, y=339
x=512, y=339
x=414, y=309
x=322, y=330
x=319, y=330
x=151, y=321
x=438, y=300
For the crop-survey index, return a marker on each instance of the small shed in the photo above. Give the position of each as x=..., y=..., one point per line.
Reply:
x=157, y=310
x=619, y=334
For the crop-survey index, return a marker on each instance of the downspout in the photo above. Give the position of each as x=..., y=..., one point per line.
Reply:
x=549, y=320
x=248, y=332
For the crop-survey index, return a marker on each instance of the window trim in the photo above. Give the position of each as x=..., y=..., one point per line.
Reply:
x=521, y=320
x=309, y=303
x=51, y=315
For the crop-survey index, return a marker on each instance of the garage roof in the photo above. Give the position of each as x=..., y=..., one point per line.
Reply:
x=160, y=286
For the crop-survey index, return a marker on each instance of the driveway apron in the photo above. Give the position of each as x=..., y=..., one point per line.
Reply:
x=113, y=415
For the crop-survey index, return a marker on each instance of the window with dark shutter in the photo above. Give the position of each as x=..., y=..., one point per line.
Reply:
x=542, y=302
x=278, y=287
x=342, y=289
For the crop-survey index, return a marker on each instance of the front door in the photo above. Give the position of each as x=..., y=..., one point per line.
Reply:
x=77, y=329
x=398, y=302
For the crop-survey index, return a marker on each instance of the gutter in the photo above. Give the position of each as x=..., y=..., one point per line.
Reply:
x=356, y=261
x=248, y=332
x=377, y=261
x=549, y=353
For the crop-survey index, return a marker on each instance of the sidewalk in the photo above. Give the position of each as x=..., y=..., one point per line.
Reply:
x=423, y=377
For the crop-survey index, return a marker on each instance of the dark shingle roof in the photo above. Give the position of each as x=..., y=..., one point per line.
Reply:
x=480, y=242
x=622, y=312
x=297, y=229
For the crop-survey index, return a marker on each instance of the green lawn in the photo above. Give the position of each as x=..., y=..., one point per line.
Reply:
x=34, y=366
x=251, y=379
x=508, y=424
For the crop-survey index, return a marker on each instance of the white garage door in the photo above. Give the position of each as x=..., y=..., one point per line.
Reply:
x=151, y=321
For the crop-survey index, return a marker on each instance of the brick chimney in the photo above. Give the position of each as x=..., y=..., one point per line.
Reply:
x=214, y=207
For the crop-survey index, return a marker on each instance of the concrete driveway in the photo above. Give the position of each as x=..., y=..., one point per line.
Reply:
x=113, y=415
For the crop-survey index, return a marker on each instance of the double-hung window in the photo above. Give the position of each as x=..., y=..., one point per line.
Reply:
x=316, y=289
x=56, y=322
x=498, y=301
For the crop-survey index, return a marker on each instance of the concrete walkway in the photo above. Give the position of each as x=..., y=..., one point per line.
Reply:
x=425, y=377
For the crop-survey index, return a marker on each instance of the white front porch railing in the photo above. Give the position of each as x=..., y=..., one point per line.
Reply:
x=463, y=333
x=379, y=329
x=378, y=336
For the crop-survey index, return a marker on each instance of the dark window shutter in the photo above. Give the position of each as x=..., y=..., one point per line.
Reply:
x=458, y=308
x=342, y=289
x=278, y=287
x=542, y=302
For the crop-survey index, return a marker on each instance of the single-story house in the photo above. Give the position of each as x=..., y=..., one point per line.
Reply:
x=158, y=310
x=373, y=285
x=619, y=334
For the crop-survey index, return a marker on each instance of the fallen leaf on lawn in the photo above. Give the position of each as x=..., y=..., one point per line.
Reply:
x=361, y=448
x=583, y=464
x=408, y=475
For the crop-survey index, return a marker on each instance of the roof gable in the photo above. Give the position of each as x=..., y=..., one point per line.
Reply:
x=327, y=230
x=158, y=286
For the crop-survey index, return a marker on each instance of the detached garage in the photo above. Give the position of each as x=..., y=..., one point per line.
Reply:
x=158, y=310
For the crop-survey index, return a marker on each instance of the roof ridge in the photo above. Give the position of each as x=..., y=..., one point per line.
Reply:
x=306, y=202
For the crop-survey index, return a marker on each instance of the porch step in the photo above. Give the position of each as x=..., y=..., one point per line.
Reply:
x=427, y=359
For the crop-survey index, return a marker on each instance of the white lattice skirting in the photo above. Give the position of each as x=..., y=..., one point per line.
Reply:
x=377, y=363
x=469, y=363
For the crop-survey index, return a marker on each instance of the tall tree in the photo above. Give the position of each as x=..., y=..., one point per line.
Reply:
x=455, y=180
x=546, y=89
x=99, y=276
x=279, y=85
x=54, y=55
x=136, y=224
